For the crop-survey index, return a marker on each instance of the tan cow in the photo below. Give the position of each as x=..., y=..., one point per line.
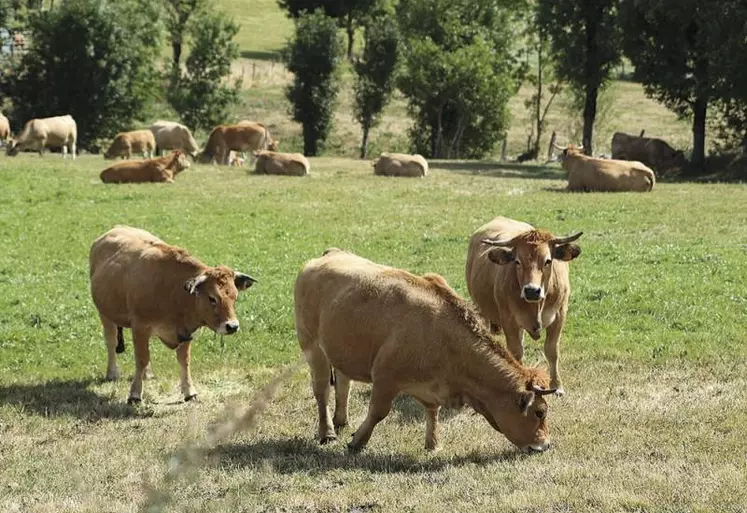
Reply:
x=155, y=289
x=518, y=278
x=411, y=334
x=655, y=153
x=246, y=136
x=162, y=169
x=273, y=163
x=4, y=129
x=605, y=175
x=174, y=136
x=400, y=164
x=38, y=134
x=126, y=143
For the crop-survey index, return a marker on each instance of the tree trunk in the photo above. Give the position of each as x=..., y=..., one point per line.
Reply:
x=350, y=29
x=176, y=50
x=699, y=133
x=364, y=143
x=538, y=110
x=592, y=84
x=309, y=142
x=590, y=114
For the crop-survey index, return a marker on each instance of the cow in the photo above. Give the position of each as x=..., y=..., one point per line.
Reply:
x=606, y=175
x=4, y=129
x=155, y=289
x=400, y=164
x=246, y=136
x=274, y=163
x=654, y=153
x=517, y=277
x=161, y=169
x=173, y=136
x=358, y=320
x=127, y=143
x=38, y=134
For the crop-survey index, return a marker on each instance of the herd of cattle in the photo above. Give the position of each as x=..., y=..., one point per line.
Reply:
x=634, y=164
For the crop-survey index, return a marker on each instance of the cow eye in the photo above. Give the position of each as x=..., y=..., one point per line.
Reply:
x=540, y=414
x=212, y=300
x=518, y=262
x=548, y=261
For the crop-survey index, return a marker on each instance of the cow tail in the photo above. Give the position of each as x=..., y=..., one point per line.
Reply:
x=120, y=340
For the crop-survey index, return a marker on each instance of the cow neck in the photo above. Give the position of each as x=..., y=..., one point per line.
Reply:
x=186, y=313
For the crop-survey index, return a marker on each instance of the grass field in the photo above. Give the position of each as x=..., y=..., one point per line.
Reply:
x=653, y=355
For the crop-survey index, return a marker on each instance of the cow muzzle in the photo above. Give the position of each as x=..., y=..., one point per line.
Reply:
x=532, y=293
x=229, y=327
x=536, y=448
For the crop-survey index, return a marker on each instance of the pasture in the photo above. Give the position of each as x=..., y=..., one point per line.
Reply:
x=653, y=355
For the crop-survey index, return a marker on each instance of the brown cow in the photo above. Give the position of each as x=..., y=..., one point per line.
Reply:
x=242, y=137
x=127, y=143
x=155, y=289
x=170, y=135
x=411, y=334
x=39, y=134
x=605, y=175
x=162, y=169
x=521, y=283
x=655, y=153
x=288, y=164
x=4, y=129
x=400, y=164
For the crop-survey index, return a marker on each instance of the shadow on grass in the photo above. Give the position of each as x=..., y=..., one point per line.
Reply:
x=500, y=170
x=297, y=455
x=75, y=398
x=260, y=55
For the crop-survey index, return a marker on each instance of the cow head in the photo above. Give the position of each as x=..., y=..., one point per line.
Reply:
x=273, y=145
x=521, y=415
x=215, y=291
x=12, y=149
x=179, y=162
x=532, y=254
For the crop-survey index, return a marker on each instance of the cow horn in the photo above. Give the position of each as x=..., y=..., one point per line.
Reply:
x=554, y=145
x=543, y=391
x=566, y=240
x=499, y=243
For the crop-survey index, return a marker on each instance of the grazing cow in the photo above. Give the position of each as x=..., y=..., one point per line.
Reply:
x=273, y=163
x=4, y=129
x=173, y=136
x=246, y=136
x=127, y=143
x=521, y=283
x=404, y=333
x=400, y=164
x=38, y=134
x=155, y=289
x=607, y=175
x=162, y=169
x=654, y=153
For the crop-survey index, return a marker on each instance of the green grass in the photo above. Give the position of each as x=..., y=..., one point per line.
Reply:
x=653, y=354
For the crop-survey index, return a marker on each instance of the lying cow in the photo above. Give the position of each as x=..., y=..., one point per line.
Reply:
x=246, y=136
x=518, y=278
x=155, y=289
x=400, y=164
x=593, y=174
x=126, y=143
x=162, y=169
x=654, y=153
x=411, y=334
x=39, y=134
x=4, y=129
x=173, y=136
x=273, y=163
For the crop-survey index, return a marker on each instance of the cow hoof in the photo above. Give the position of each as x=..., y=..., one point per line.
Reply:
x=134, y=401
x=327, y=439
x=192, y=397
x=340, y=427
x=354, y=448
x=112, y=376
x=560, y=392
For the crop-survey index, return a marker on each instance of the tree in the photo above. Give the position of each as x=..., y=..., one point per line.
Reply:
x=93, y=59
x=178, y=15
x=375, y=73
x=312, y=56
x=200, y=94
x=460, y=69
x=689, y=55
x=586, y=44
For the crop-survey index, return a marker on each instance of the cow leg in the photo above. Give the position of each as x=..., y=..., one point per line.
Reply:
x=64, y=152
x=183, y=356
x=320, y=376
x=140, y=341
x=432, y=429
x=342, y=394
x=552, y=339
x=514, y=338
x=378, y=408
x=110, y=337
x=73, y=149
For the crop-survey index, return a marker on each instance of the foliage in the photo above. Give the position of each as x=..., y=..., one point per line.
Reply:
x=178, y=15
x=313, y=56
x=93, y=59
x=460, y=70
x=375, y=73
x=200, y=94
x=586, y=45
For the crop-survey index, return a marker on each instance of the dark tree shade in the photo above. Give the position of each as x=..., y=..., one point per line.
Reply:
x=178, y=15
x=312, y=57
x=586, y=44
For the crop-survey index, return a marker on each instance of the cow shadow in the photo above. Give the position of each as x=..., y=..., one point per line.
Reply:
x=69, y=398
x=302, y=455
x=500, y=170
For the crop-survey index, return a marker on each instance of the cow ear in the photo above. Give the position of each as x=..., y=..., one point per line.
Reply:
x=192, y=285
x=526, y=400
x=243, y=281
x=501, y=256
x=566, y=252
